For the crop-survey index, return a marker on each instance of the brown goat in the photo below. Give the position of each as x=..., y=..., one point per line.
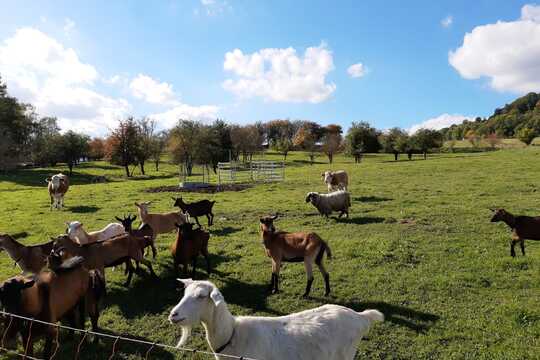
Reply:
x=50, y=296
x=108, y=253
x=144, y=230
x=188, y=245
x=29, y=258
x=195, y=209
x=523, y=228
x=294, y=247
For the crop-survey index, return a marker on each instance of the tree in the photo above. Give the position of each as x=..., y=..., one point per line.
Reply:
x=16, y=125
x=527, y=135
x=279, y=130
x=182, y=143
x=361, y=138
x=389, y=141
x=73, y=147
x=145, y=128
x=96, y=149
x=493, y=140
x=283, y=146
x=45, y=144
x=331, y=142
x=246, y=140
x=159, y=143
x=306, y=138
x=473, y=138
x=122, y=145
x=426, y=139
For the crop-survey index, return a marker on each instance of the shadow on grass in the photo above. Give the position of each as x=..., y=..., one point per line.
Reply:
x=154, y=296
x=83, y=209
x=361, y=220
x=227, y=230
x=253, y=296
x=36, y=177
x=304, y=162
x=104, y=347
x=151, y=177
x=371, y=199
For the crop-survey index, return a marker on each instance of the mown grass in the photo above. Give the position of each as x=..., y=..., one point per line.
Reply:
x=418, y=246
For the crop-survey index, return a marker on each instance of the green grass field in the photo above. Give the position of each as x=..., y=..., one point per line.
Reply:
x=418, y=246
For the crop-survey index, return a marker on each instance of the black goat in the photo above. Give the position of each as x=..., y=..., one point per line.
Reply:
x=523, y=227
x=195, y=209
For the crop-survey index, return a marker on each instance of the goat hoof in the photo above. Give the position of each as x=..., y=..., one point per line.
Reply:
x=305, y=296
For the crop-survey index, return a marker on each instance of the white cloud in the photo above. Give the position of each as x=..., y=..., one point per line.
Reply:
x=357, y=70
x=214, y=7
x=69, y=25
x=40, y=70
x=439, y=122
x=169, y=118
x=447, y=21
x=280, y=74
x=152, y=91
x=507, y=53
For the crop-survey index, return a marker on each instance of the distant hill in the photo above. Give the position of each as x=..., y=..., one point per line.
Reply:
x=506, y=122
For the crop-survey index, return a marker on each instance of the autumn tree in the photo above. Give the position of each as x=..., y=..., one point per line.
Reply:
x=96, y=148
x=246, y=140
x=122, y=145
x=493, y=140
x=306, y=138
x=331, y=141
x=159, y=144
x=145, y=128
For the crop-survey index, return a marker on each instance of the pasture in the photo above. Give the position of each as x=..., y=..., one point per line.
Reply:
x=418, y=246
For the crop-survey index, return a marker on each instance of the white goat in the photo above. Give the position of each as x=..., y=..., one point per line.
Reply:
x=76, y=233
x=329, y=332
x=336, y=180
x=326, y=203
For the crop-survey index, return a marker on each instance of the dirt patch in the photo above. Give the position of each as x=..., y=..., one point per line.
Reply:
x=208, y=190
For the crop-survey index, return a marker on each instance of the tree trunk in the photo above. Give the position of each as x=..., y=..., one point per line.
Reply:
x=311, y=158
x=284, y=156
x=70, y=166
x=425, y=155
x=330, y=157
x=126, y=167
x=157, y=165
x=396, y=154
x=142, y=167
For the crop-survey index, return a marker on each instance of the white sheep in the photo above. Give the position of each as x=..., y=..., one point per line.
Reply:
x=329, y=332
x=326, y=203
x=76, y=233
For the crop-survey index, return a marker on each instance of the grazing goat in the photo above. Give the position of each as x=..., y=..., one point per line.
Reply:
x=50, y=296
x=159, y=223
x=77, y=233
x=29, y=258
x=328, y=332
x=144, y=230
x=195, y=209
x=108, y=253
x=58, y=186
x=336, y=180
x=294, y=247
x=523, y=228
x=326, y=203
x=187, y=247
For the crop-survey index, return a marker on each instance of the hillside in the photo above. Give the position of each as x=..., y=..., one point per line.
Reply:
x=506, y=122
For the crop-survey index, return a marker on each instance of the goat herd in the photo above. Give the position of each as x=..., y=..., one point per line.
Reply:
x=64, y=279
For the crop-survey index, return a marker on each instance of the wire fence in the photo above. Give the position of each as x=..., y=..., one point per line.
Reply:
x=150, y=345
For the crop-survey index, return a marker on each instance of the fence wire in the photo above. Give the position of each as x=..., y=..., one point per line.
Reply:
x=116, y=338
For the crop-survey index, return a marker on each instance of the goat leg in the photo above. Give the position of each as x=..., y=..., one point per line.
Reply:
x=148, y=264
x=276, y=285
x=308, y=287
x=154, y=250
x=512, y=251
x=271, y=288
x=522, y=245
x=327, y=284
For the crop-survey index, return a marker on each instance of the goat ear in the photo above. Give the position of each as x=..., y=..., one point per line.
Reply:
x=493, y=209
x=137, y=204
x=185, y=282
x=48, y=180
x=274, y=217
x=134, y=217
x=216, y=296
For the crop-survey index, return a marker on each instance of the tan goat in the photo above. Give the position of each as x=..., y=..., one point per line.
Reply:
x=294, y=247
x=160, y=223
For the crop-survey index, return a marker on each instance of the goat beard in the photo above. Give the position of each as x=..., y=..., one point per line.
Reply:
x=186, y=333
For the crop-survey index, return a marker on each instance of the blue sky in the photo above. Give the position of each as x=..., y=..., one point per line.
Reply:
x=89, y=63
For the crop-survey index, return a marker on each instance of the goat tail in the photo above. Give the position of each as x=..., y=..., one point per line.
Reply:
x=97, y=280
x=324, y=247
x=373, y=315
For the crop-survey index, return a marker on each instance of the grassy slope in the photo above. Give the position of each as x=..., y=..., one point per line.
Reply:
x=444, y=278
